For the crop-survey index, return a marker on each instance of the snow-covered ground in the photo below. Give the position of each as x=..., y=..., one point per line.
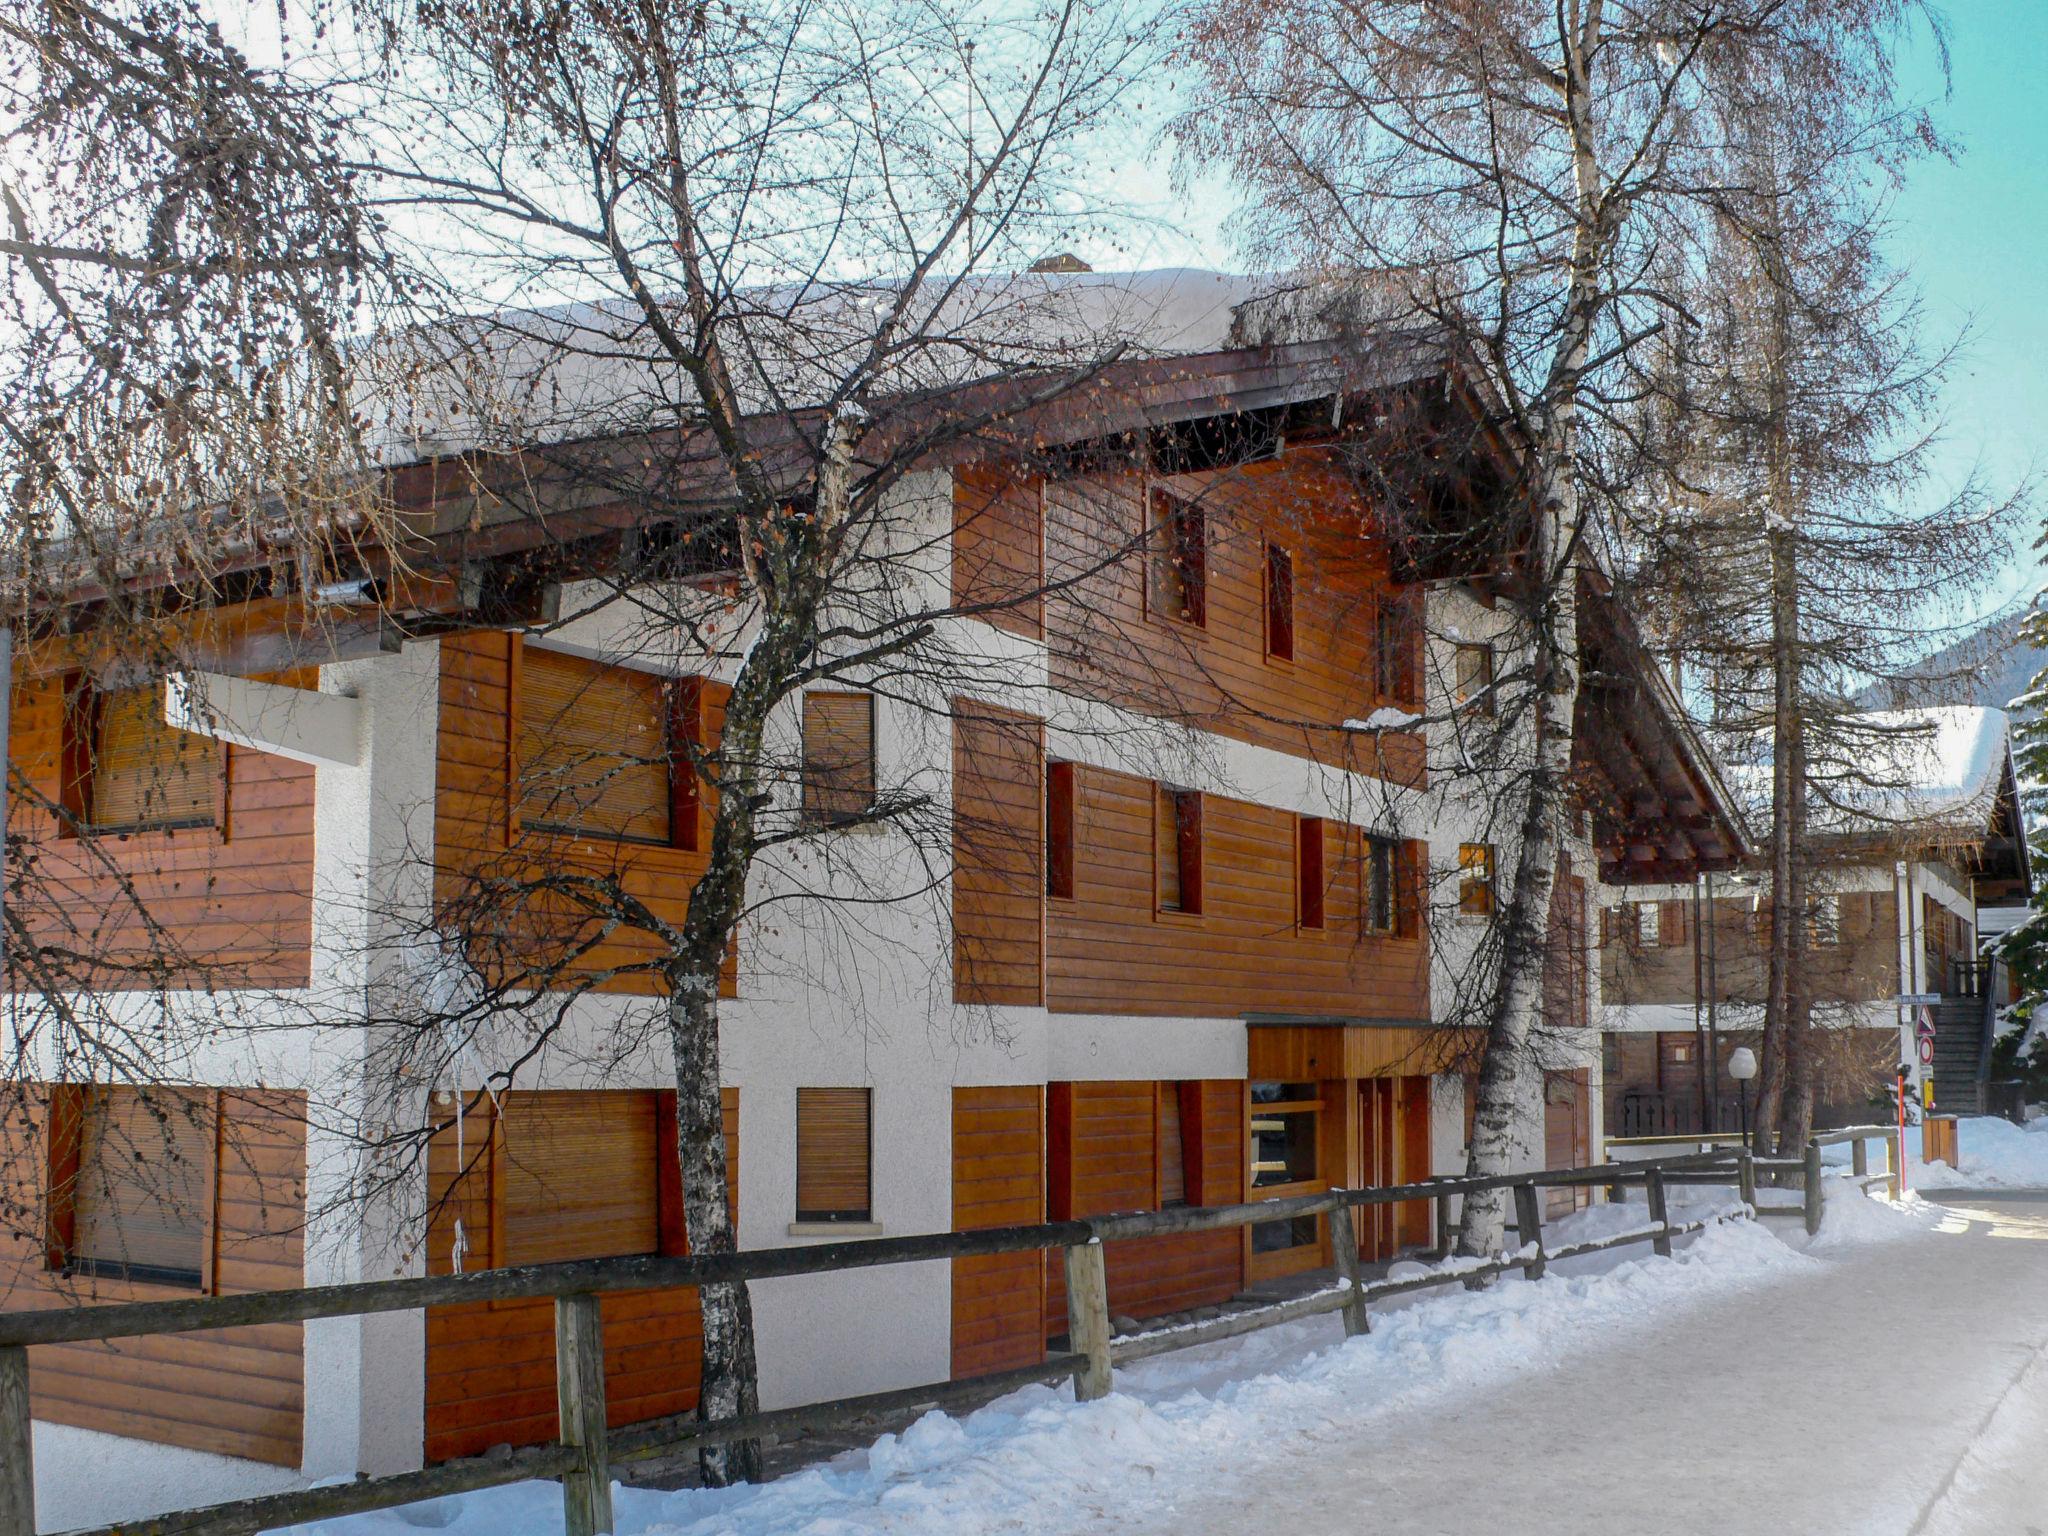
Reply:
x=1994, y=1154
x=1754, y=1383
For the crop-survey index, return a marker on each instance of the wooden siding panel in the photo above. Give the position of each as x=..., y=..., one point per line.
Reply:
x=998, y=856
x=1110, y=951
x=490, y=1370
x=477, y=837
x=233, y=902
x=1102, y=1159
x=1862, y=967
x=998, y=1181
x=233, y=1392
x=998, y=548
x=1218, y=675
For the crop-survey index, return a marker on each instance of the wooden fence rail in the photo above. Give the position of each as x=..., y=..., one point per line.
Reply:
x=587, y=1451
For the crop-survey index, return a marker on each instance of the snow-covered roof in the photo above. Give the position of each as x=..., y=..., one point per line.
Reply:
x=585, y=370
x=1933, y=773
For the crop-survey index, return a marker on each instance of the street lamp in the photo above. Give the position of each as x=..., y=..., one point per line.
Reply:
x=1742, y=1067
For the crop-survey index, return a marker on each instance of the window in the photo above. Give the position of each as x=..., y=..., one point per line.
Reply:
x=839, y=756
x=1393, y=651
x=1285, y=1131
x=127, y=770
x=1177, y=850
x=597, y=751
x=1279, y=603
x=1308, y=871
x=131, y=1178
x=1180, y=560
x=1475, y=879
x=1474, y=679
x=832, y=1154
x=1827, y=920
x=1377, y=910
x=581, y=1174
x=1649, y=924
x=1059, y=831
x=1171, y=1147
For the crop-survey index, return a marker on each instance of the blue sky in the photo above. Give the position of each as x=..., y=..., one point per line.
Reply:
x=1972, y=231
x=1975, y=236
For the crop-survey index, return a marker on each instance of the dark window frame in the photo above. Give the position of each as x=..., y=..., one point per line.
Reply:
x=1279, y=603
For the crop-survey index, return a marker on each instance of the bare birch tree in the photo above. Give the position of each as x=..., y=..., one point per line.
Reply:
x=1514, y=169
x=769, y=226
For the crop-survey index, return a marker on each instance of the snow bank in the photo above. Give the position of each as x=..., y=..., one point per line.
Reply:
x=1036, y=1461
x=1995, y=1154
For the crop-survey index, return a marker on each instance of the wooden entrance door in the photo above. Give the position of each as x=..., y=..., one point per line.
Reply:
x=1284, y=1140
x=1393, y=1135
x=1567, y=1134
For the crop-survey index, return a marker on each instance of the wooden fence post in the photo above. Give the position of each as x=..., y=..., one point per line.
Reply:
x=1813, y=1194
x=1653, y=1190
x=1745, y=1177
x=1529, y=1226
x=1859, y=1158
x=1444, y=1228
x=1891, y=1164
x=579, y=1391
x=17, y=1447
x=1088, y=1320
x=1344, y=1245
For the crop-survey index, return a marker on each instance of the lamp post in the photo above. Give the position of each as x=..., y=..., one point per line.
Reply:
x=1742, y=1067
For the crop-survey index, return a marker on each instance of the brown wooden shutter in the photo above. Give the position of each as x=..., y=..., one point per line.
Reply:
x=839, y=755
x=143, y=772
x=684, y=699
x=1309, y=882
x=1166, y=848
x=1671, y=924
x=1059, y=830
x=832, y=1131
x=1177, y=849
x=142, y=1198
x=580, y=1175
x=593, y=748
x=1169, y=1148
x=1409, y=876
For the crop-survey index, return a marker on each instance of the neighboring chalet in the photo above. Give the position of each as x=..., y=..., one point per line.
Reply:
x=1910, y=858
x=1201, y=956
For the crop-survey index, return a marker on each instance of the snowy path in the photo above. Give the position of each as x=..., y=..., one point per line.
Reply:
x=1890, y=1381
x=1845, y=1398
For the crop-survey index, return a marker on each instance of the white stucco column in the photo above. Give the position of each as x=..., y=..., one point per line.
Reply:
x=373, y=843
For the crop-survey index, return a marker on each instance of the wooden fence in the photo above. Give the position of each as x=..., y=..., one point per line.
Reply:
x=587, y=1450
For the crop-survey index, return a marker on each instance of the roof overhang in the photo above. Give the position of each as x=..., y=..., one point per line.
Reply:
x=1660, y=811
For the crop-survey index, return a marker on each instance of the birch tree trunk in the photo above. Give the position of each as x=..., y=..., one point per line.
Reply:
x=1552, y=611
x=729, y=1381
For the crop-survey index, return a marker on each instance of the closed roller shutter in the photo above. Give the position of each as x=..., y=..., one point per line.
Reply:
x=581, y=1176
x=839, y=755
x=832, y=1154
x=142, y=1196
x=145, y=773
x=593, y=748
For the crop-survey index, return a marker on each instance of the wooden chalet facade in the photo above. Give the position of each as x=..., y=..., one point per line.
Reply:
x=1896, y=911
x=1211, y=975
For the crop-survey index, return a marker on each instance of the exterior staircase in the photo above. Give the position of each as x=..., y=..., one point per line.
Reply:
x=1963, y=1023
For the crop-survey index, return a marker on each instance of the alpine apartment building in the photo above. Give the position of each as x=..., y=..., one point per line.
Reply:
x=1196, y=935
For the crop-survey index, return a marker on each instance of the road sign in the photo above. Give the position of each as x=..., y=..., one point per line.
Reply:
x=1917, y=999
